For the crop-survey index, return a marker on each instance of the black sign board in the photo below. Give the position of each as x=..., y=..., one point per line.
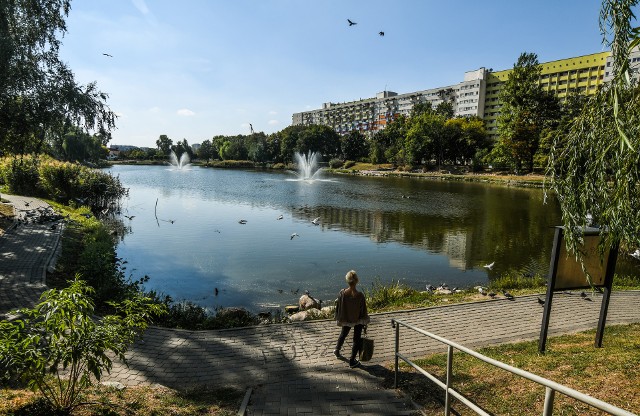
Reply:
x=566, y=273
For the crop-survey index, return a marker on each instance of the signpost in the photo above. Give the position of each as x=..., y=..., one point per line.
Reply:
x=566, y=273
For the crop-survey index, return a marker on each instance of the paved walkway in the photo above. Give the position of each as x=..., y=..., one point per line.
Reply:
x=291, y=367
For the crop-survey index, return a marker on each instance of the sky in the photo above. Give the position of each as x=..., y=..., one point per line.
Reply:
x=194, y=69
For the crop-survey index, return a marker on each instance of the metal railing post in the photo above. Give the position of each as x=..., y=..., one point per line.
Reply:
x=395, y=378
x=549, y=395
x=447, y=396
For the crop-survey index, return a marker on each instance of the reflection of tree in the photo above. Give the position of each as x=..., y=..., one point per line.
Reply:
x=490, y=223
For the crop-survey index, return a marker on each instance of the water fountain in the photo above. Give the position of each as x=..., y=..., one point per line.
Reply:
x=182, y=163
x=308, y=165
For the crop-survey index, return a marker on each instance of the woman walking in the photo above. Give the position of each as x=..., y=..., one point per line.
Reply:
x=351, y=311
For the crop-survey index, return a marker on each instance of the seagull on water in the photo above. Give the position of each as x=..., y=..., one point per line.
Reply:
x=316, y=221
x=242, y=222
x=490, y=265
x=636, y=254
x=280, y=217
x=294, y=235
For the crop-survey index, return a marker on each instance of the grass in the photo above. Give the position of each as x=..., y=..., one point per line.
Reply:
x=148, y=400
x=6, y=216
x=611, y=374
x=398, y=296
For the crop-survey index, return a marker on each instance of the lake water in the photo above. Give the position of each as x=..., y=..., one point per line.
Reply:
x=187, y=237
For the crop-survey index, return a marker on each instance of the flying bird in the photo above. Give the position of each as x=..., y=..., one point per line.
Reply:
x=106, y=54
x=294, y=235
x=490, y=265
x=636, y=254
x=351, y=23
x=130, y=217
x=381, y=33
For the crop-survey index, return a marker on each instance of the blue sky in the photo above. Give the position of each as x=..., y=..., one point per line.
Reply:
x=194, y=69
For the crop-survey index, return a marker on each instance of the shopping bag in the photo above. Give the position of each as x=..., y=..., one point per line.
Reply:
x=366, y=350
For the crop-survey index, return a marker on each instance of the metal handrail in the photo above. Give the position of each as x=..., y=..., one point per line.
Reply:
x=550, y=386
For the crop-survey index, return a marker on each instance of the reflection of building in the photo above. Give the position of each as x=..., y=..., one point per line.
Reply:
x=456, y=248
x=477, y=95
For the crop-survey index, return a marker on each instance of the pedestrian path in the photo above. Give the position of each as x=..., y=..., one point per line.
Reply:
x=26, y=251
x=290, y=367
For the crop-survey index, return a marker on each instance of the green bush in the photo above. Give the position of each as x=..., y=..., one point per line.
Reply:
x=335, y=163
x=59, y=345
x=61, y=181
x=349, y=163
x=21, y=175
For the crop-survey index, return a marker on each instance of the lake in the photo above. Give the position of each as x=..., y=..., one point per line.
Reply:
x=186, y=235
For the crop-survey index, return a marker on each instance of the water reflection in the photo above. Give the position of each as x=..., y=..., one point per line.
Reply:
x=417, y=231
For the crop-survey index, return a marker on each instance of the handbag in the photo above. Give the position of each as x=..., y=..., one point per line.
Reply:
x=366, y=347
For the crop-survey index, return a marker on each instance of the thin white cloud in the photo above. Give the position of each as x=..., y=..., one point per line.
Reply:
x=273, y=122
x=154, y=110
x=141, y=6
x=273, y=113
x=185, y=112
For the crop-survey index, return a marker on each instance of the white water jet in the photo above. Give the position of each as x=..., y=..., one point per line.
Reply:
x=307, y=165
x=183, y=163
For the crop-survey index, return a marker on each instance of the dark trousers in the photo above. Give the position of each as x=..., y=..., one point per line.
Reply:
x=357, y=339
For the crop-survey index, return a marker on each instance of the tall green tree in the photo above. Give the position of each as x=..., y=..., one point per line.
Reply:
x=354, y=146
x=526, y=111
x=206, y=150
x=38, y=92
x=594, y=166
x=164, y=144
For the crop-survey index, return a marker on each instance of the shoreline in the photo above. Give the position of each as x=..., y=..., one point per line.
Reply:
x=366, y=169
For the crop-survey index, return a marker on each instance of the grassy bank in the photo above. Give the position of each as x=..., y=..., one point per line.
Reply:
x=611, y=374
x=149, y=400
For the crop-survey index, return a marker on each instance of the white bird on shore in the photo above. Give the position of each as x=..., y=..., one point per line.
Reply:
x=316, y=221
x=294, y=235
x=489, y=266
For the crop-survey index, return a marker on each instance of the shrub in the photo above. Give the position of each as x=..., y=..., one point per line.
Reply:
x=21, y=175
x=349, y=163
x=335, y=163
x=61, y=181
x=57, y=346
x=381, y=296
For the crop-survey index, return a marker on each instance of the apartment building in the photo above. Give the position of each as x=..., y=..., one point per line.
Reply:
x=477, y=95
x=581, y=74
x=372, y=114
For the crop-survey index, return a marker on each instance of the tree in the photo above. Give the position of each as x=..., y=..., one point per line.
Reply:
x=206, y=150
x=595, y=168
x=257, y=150
x=164, y=144
x=61, y=337
x=38, y=92
x=354, y=146
x=526, y=110
x=425, y=140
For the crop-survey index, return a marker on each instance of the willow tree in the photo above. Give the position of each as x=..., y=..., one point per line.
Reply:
x=39, y=96
x=594, y=165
